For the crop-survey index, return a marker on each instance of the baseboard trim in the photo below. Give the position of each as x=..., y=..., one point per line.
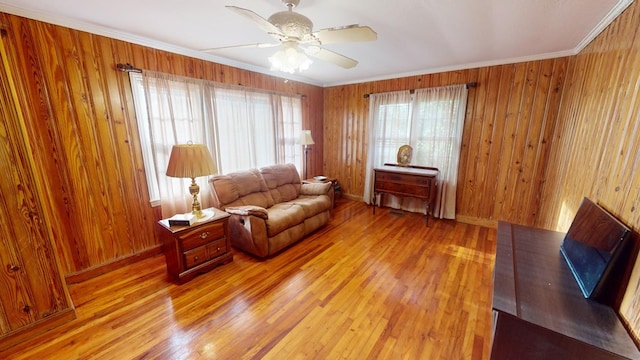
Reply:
x=90, y=273
x=39, y=327
x=352, y=197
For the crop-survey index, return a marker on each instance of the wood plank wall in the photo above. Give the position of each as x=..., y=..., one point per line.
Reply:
x=81, y=121
x=596, y=146
x=511, y=115
x=538, y=136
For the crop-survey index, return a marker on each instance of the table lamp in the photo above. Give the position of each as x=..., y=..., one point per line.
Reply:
x=191, y=161
x=306, y=140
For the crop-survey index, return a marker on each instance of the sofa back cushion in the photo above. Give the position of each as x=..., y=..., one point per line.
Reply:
x=240, y=188
x=283, y=182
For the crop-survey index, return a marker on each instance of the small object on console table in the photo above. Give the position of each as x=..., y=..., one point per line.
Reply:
x=195, y=249
x=405, y=152
x=412, y=181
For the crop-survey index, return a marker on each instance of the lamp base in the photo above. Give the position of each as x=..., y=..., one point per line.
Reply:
x=306, y=160
x=194, y=190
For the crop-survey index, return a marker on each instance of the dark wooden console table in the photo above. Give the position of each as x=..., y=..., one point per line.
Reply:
x=412, y=181
x=539, y=310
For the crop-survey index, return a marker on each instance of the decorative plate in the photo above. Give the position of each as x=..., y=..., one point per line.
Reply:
x=404, y=155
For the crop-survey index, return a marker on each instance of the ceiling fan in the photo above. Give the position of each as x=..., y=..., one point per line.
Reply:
x=295, y=33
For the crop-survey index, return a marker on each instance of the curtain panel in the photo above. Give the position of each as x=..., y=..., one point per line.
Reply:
x=431, y=121
x=243, y=128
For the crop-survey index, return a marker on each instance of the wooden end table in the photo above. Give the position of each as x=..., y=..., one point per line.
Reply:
x=196, y=249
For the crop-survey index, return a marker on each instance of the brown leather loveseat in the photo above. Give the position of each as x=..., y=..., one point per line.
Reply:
x=270, y=208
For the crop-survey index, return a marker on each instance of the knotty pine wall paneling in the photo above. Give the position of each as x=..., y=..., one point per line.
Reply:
x=596, y=146
x=33, y=296
x=511, y=115
x=80, y=118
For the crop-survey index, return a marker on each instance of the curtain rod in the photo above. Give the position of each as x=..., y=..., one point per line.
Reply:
x=469, y=85
x=130, y=68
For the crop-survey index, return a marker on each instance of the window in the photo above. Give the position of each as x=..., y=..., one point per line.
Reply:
x=243, y=128
x=395, y=130
x=431, y=121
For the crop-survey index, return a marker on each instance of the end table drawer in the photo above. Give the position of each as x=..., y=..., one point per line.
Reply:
x=195, y=257
x=202, y=235
x=205, y=253
x=217, y=248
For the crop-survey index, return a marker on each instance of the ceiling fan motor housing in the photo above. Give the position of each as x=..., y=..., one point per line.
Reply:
x=292, y=24
x=295, y=33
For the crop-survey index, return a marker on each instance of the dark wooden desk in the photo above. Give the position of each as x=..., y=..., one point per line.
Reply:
x=418, y=182
x=539, y=310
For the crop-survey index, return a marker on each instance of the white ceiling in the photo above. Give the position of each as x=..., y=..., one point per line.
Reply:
x=414, y=36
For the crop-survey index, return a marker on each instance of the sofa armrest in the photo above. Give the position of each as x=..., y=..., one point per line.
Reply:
x=315, y=188
x=248, y=210
x=249, y=233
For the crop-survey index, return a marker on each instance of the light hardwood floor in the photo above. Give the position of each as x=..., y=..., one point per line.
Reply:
x=365, y=286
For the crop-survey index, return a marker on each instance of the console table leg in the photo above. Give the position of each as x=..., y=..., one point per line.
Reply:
x=426, y=216
x=375, y=200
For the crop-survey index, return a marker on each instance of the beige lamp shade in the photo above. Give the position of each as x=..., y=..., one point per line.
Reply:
x=305, y=138
x=190, y=161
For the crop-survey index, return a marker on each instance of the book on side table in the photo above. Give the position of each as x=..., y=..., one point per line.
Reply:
x=182, y=219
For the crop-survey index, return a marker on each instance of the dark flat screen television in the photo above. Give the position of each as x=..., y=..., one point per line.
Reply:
x=592, y=246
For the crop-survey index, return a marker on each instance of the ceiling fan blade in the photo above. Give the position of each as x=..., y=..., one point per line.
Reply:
x=330, y=56
x=259, y=20
x=259, y=45
x=351, y=33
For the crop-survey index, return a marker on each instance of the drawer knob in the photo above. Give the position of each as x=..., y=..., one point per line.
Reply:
x=196, y=258
x=26, y=308
x=14, y=267
x=204, y=235
x=218, y=249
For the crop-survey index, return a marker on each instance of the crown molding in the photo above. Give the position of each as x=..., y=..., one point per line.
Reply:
x=621, y=6
x=459, y=67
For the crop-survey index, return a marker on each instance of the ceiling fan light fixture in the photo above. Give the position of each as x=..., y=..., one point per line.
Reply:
x=289, y=59
x=295, y=32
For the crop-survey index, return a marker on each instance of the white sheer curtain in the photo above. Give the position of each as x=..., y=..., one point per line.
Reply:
x=389, y=115
x=431, y=121
x=170, y=110
x=242, y=128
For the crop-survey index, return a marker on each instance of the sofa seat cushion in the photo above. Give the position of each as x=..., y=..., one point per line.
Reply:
x=283, y=216
x=313, y=205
